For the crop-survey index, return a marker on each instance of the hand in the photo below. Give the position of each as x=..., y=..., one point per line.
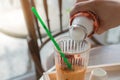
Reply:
x=108, y=12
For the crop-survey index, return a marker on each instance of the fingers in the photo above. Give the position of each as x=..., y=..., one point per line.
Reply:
x=100, y=31
x=82, y=6
x=85, y=6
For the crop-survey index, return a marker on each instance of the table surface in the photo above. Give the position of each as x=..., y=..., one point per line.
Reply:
x=104, y=55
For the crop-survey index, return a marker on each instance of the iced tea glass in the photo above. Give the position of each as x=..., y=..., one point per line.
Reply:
x=77, y=53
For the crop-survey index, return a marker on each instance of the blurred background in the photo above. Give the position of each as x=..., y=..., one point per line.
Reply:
x=15, y=60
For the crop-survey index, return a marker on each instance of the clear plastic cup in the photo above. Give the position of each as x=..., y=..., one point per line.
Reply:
x=77, y=54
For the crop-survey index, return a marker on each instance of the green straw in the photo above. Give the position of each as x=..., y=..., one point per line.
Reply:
x=52, y=38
